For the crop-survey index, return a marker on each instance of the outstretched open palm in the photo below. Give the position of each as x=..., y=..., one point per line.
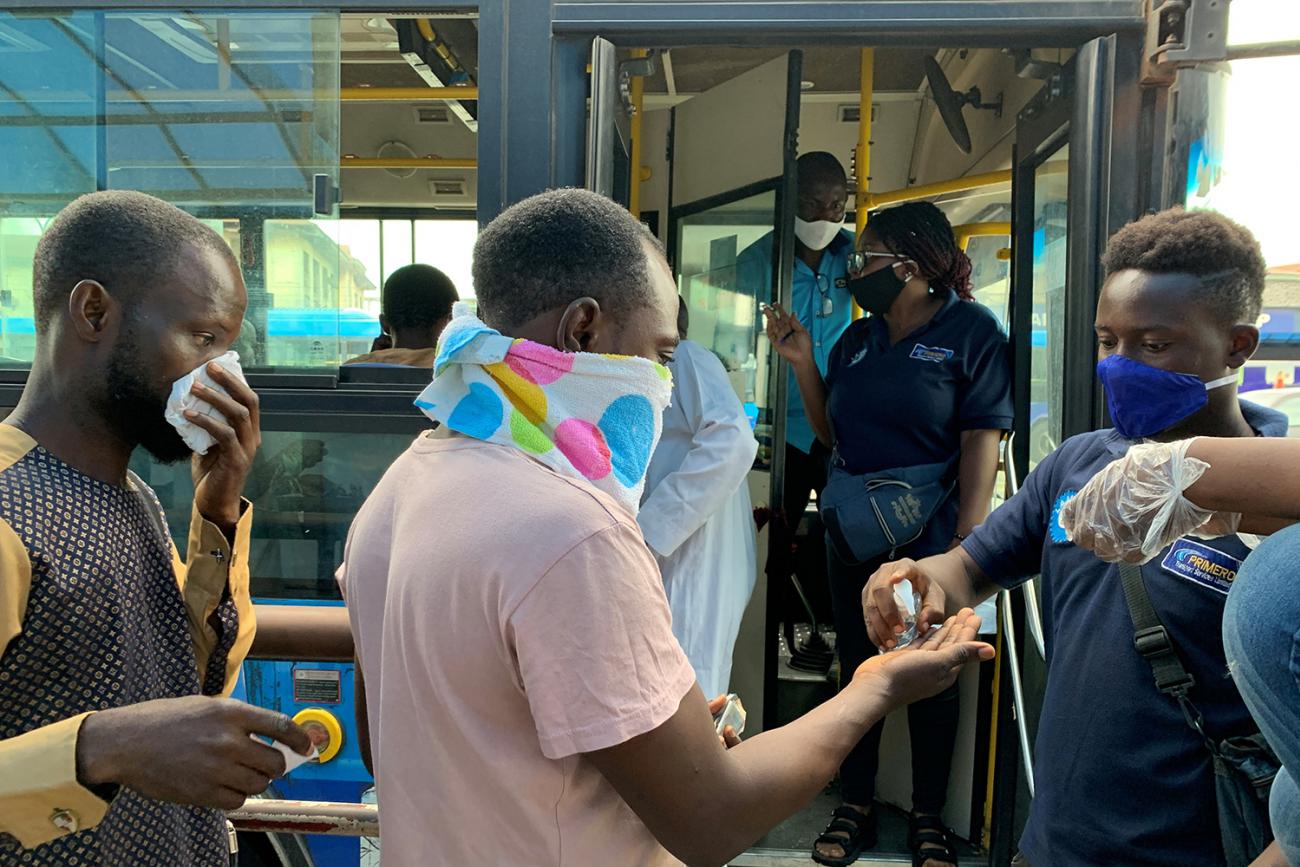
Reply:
x=930, y=664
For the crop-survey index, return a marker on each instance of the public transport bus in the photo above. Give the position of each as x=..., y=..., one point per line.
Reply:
x=331, y=142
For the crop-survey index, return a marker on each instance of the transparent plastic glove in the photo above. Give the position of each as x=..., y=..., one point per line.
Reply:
x=1134, y=507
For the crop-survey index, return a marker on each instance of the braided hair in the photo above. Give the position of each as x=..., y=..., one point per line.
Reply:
x=921, y=232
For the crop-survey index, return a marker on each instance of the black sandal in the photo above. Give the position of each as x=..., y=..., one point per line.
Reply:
x=930, y=840
x=859, y=832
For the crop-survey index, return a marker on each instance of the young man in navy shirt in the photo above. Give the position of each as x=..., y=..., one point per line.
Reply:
x=1121, y=778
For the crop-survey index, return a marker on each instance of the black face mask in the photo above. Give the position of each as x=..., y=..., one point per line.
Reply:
x=875, y=292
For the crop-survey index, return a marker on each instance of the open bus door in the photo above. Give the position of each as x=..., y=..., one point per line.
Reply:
x=1066, y=201
x=718, y=208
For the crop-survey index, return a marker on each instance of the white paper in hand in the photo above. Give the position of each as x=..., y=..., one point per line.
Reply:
x=292, y=759
x=183, y=398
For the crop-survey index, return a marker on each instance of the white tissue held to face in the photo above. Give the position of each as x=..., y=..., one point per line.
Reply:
x=183, y=398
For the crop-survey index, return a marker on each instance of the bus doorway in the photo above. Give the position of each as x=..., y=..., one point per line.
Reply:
x=988, y=136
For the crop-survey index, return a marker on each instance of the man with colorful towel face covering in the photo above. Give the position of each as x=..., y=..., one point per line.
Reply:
x=1122, y=778
x=527, y=700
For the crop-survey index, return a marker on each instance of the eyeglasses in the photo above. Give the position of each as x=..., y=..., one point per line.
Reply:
x=860, y=259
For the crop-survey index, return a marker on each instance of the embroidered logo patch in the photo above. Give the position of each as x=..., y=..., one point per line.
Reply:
x=1202, y=565
x=1054, y=528
x=841, y=282
x=937, y=354
x=858, y=356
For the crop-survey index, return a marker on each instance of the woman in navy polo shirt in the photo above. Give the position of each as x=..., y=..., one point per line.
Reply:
x=924, y=378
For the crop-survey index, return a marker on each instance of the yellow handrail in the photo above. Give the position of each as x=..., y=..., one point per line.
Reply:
x=939, y=188
x=637, y=94
x=406, y=94
x=966, y=231
x=407, y=163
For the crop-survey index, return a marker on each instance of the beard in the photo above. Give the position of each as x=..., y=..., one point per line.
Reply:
x=135, y=406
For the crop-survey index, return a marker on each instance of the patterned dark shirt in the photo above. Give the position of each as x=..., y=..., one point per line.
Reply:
x=105, y=626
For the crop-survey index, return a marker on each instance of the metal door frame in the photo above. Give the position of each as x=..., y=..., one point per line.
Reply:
x=783, y=256
x=534, y=77
x=1101, y=111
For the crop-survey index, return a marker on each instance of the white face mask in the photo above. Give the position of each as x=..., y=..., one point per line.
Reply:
x=816, y=235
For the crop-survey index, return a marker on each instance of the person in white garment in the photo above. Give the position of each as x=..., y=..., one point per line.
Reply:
x=696, y=514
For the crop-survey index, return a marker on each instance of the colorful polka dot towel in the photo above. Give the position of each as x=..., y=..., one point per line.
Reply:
x=588, y=416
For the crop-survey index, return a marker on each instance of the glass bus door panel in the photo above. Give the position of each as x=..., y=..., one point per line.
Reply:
x=725, y=307
x=1234, y=152
x=731, y=222
x=1046, y=358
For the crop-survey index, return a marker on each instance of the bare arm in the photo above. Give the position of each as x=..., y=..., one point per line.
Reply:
x=1137, y=505
x=1259, y=478
x=976, y=475
x=706, y=804
x=362, y=715
x=1271, y=857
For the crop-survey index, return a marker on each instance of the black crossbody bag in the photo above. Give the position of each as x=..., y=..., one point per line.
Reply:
x=1244, y=766
x=870, y=514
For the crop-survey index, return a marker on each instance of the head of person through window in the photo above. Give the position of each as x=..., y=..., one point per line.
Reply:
x=415, y=306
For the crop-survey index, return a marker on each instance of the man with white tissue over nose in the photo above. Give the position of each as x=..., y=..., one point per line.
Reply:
x=115, y=745
x=528, y=703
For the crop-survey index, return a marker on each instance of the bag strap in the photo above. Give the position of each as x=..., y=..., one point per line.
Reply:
x=141, y=490
x=1154, y=644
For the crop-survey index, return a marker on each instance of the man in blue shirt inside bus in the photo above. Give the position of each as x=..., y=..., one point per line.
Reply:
x=821, y=302
x=1121, y=776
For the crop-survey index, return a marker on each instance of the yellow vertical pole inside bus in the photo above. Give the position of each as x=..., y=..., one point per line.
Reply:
x=862, y=157
x=637, y=94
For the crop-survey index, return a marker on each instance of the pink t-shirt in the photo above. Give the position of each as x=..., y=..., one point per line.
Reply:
x=508, y=620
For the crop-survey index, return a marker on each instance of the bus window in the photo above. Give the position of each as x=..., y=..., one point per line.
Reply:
x=991, y=275
x=448, y=245
x=724, y=305
x=184, y=106
x=305, y=487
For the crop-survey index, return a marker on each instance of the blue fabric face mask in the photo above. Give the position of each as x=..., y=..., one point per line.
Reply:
x=1145, y=400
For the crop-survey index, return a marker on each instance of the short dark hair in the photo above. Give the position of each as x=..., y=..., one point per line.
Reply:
x=555, y=247
x=820, y=167
x=417, y=296
x=119, y=238
x=1223, y=253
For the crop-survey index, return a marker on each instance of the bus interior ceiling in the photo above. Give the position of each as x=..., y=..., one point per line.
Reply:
x=441, y=51
x=909, y=143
